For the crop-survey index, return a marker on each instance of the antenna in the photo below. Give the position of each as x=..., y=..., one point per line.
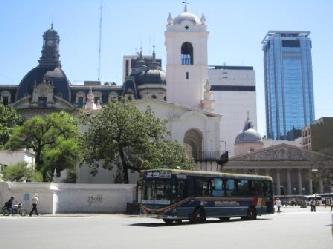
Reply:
x=100, y=40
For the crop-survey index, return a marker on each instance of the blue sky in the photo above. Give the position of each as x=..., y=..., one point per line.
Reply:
x=236, y=30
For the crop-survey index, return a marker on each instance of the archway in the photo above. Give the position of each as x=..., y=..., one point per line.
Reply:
x=193, y=141
x=187, y=53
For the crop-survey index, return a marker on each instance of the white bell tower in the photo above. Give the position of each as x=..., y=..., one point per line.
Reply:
x=186, y=67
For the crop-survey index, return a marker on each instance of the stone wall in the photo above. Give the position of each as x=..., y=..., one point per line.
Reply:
x=71, y=198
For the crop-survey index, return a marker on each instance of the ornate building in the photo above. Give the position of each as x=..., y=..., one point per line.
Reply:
x=46, y=87
x=294, y=170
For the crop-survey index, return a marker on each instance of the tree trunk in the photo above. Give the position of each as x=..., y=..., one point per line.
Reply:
x=124, y=165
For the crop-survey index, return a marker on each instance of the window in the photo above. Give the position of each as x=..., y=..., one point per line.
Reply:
x=217, y=187
x=187, y=54
x=203, y=187
x=243, y=188
x=153, y=96
x=230, y=187
x=42, y=102
x=187, y=75
x=80, y=101
x=5, y=100
x=96, y=99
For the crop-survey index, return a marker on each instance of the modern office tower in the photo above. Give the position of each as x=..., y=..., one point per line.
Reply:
x=235, y=99
x=288, y=83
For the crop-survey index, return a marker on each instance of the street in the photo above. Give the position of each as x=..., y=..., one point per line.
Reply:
x=294, y=228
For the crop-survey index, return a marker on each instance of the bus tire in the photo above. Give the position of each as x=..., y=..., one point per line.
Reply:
x=251, y=214
x=168, y=221
x=198, y=215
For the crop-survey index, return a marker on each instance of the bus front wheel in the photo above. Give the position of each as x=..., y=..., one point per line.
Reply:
x=198, y=216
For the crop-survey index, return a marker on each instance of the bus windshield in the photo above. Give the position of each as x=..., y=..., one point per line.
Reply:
x=157, y=189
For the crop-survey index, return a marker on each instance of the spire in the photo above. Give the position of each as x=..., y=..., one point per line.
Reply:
x=185, y=6
x=203, y=19
x=51, y=25
x=248, y=123
x=154, y=63
x=169, y=20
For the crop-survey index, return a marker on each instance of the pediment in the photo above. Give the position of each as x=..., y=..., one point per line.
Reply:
x=281, y=152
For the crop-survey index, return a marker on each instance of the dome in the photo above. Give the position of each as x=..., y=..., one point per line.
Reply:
x=248, y=136
x=37, y=75
x=152, y=76
x=186, y=16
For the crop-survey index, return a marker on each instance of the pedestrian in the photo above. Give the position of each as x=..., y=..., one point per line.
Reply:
x=313, y=205
x=9, y=205
x=278, y=204
x=34, y=204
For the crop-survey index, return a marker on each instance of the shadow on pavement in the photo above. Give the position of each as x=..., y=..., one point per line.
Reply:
x=187, y=223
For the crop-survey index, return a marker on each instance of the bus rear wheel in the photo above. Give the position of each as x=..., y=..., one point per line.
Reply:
x=198, y=216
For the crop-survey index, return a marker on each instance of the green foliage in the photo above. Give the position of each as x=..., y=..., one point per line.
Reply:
x=53, y=138
x=20, y=172
x=9, y=118
x=122, y=136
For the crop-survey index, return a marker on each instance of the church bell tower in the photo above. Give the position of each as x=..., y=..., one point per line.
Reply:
x=187, y=67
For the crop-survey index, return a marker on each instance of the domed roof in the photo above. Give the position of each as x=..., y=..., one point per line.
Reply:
x=151, y=76
x=249, y=134
x=186, y=16
x=37, y=75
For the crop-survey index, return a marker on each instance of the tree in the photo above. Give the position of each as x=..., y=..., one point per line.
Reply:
x=9, y=118
x=20, y=172
x=51, y=137
x=122, y=136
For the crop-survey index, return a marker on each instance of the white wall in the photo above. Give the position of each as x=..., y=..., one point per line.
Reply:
x=12, y=157
x=71, y=198
x=233, y=105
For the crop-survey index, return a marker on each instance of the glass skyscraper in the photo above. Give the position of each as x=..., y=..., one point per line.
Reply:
x=288, y=83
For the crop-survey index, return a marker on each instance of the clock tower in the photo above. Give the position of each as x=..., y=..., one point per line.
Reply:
x=50, y=51
x=187, y=67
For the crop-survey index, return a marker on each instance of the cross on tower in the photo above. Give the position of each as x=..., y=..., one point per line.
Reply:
x=185, y=5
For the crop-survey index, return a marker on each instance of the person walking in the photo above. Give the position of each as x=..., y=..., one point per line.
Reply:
x=34, y=204
x=9, y=205
x=278, y=204
x=313, y=205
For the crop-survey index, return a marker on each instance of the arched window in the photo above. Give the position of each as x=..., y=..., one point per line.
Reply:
x=187, y=54
x=193, y=141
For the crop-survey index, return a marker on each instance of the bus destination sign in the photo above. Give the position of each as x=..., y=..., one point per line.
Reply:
x=158, y=174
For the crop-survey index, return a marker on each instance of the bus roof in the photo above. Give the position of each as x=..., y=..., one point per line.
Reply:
x=211, y=174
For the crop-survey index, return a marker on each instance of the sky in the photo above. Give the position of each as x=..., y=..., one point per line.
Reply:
x=236, y=30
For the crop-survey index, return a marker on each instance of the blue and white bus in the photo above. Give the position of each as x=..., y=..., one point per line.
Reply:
x=176, y=195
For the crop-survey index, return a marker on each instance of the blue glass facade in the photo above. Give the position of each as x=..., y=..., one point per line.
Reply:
x=288, y=83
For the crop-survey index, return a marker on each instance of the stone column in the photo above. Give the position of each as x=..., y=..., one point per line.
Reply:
x=321, y=185
x=300, y=184
x=310, y=183
x=278, y=183
x=289, y=192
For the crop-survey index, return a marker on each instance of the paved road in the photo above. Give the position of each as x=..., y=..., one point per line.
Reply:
x=294, y=228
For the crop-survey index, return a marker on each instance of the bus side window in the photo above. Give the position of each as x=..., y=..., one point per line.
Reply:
x=243, y=188
x=230, y=187
x=217, y=187
x=203, y=187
